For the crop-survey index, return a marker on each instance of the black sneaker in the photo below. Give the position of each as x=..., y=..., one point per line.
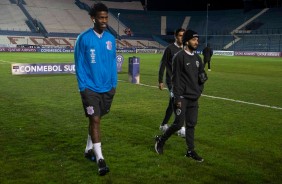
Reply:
x=159, y=145
x=102, y=167
x=90, y=155
x=194, y=155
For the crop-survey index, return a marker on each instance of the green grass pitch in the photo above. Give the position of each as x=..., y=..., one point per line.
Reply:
x=43, y=130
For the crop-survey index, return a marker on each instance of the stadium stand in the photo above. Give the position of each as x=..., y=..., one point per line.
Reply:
x=270, y=22
x=5, y=3
x=39, y=21
x=127, y=5
x=156, y=21
x=59, y=16
x=262, y=34
x=12, y=18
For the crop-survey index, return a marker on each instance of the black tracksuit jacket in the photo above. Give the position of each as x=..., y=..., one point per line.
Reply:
x=166, y=63
x=185, y=76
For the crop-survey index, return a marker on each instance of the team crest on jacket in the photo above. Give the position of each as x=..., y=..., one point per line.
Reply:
x=109, y=45
x=197, y=64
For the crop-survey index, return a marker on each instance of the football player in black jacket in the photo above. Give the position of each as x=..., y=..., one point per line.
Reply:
x=166, y=65
x=188, y=78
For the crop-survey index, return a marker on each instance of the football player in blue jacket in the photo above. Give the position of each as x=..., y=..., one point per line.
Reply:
x=96, y=72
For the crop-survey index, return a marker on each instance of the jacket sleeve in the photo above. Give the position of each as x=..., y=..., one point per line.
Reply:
x=176, y=76
x=201, y=65
x=114, y=66
x=163, y=63
x=79, y=60
x=203, y=77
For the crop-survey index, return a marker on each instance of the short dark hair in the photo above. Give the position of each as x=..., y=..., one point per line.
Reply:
x=97, y=7
x=178, y=30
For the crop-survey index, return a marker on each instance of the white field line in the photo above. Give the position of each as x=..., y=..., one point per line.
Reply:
x=240, y=101
x=5, y=62
x=221, y=98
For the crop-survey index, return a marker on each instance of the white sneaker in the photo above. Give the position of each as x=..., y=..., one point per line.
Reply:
x=181, y=132
x=163, y=128
x=209, y=70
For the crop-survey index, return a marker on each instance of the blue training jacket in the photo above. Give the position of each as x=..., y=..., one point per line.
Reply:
x=95, y=61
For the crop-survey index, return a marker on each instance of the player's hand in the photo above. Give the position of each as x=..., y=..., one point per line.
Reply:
x=178, y=105
x=112, y=91
x=161, y=86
